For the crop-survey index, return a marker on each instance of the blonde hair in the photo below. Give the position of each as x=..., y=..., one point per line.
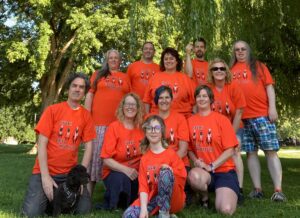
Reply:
x=145, y=142
x=210, y=78
x=138, y=119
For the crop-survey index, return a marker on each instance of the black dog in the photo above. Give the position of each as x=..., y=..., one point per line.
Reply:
x=67, y=194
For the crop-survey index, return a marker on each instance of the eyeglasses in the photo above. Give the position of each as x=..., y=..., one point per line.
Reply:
x=240, y=49
x=130, y=105
x=218, y=68
x=155, y=129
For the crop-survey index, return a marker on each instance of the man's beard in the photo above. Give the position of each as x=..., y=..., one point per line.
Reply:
x=199, y=54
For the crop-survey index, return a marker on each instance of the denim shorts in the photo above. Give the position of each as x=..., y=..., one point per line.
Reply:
x=221, y=180
x=259, y=133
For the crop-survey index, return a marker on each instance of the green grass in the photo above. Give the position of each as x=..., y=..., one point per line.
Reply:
x=16, y=166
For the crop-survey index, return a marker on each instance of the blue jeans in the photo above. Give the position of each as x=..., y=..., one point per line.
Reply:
x=36, y=202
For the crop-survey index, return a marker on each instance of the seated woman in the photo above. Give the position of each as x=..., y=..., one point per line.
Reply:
x=121, y=154
x=212, y=145
x=162, y=175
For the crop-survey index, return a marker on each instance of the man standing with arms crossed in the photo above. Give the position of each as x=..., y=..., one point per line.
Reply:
x=141, y=71
x=197, y=68
x=61, y=129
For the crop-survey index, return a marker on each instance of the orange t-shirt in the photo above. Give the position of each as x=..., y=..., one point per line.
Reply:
x=210, y=136
x=148, y=182
x=200, y=71
x=182, y=88
x=255, y=92
x=228, y=100
x=110, y=91
x=176, y=129
x=123, y=145
x=65, y=129
x=139, y=74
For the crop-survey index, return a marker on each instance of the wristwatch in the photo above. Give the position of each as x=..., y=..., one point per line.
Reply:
x=212, y=167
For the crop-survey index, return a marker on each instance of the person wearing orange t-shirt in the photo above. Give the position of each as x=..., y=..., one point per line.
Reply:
x=170, y=75
x=229, y=101
x=213, y=142
x=259, y=118
x=60, y=130
x=162, y=175
x=197, y=68
x=108, y=86
x=177, y=133
x=140, y=72
x=121, y=154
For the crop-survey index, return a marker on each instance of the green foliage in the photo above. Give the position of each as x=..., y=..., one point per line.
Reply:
x=53, y=38
x=13, y=122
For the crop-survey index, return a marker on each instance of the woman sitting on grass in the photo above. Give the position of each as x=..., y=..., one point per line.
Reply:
x=121, y=154
x=162, y=175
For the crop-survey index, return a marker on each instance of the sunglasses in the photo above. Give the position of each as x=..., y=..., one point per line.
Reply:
x=218, y=68
x=240, y=49
x=155, y=129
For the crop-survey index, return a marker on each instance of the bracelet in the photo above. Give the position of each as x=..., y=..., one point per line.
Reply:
x=212, y=167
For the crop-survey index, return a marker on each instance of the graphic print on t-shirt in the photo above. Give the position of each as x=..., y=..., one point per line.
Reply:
x=67, y=135
x=202, y=138
x=114, y=82
x=146, y=74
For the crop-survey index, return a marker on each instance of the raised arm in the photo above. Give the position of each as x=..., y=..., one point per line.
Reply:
x=188, y=61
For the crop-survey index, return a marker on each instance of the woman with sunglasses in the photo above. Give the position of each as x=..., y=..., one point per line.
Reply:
x=229, y=101
x=121, y=154
x=161, y=175
x=213, y=141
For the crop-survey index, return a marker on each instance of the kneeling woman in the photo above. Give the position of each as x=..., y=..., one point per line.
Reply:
x=213, y=141
x=162, y=175
x=121, y=154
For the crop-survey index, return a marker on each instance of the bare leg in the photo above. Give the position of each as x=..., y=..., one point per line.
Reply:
x=275, y=169
x=199, y=180
x=226, y=200
x=254, y=169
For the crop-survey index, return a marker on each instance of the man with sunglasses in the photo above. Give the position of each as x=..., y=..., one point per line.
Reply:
x=196, y=68
x=259, y=117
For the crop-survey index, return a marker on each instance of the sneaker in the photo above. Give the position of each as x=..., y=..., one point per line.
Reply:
x=163, y=214
x=256, y=194
x=278, y=197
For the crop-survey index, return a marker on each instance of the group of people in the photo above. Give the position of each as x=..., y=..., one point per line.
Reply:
x=159, y=133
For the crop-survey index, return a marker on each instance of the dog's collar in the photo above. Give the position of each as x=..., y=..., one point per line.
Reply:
x=69, y=194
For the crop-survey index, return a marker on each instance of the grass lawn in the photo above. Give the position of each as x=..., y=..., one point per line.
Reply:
x=16, y=166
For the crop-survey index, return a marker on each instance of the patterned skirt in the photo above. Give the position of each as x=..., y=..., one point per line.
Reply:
x=95, y=168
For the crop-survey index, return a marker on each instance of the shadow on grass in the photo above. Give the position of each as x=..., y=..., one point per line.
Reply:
x=16, y=166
